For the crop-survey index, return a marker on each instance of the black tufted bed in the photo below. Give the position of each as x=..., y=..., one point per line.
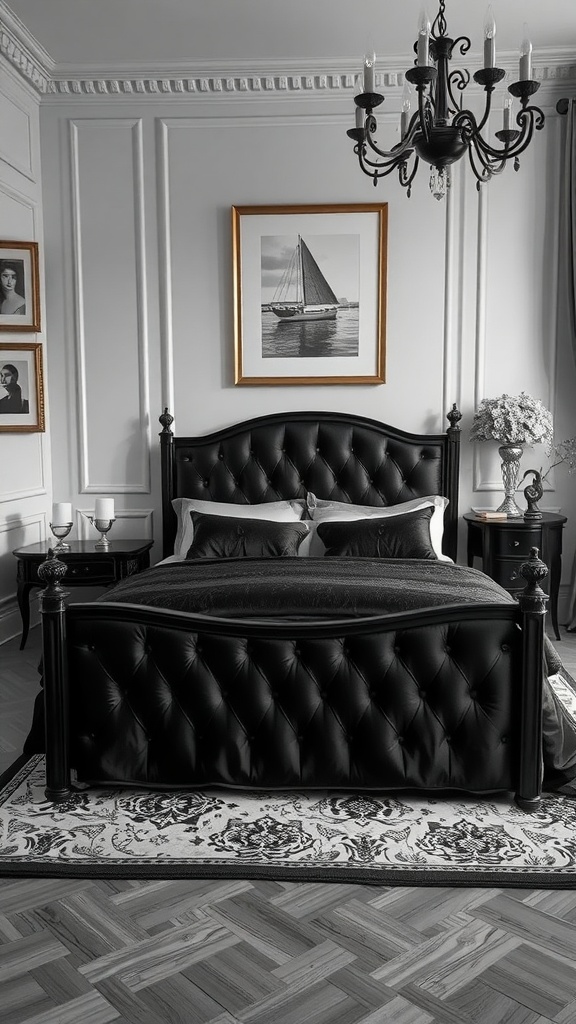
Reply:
x=368, y=663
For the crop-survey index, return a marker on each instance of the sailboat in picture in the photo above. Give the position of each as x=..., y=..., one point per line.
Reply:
x=303, y=293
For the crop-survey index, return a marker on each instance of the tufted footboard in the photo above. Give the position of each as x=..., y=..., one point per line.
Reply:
x=441, y=699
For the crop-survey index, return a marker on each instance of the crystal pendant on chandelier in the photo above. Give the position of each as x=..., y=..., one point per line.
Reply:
x=440, y=130
x=439, y=181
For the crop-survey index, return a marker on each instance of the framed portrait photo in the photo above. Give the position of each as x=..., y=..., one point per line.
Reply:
x=310, y=293
x=19, y=286
x=21, y=388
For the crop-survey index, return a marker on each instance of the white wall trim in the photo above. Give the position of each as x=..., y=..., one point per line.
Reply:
x=208, y=78
x=143, y=516
x=87, y=486
x=165, y=251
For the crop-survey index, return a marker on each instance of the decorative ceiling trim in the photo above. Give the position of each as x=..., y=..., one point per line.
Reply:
x=34, y=64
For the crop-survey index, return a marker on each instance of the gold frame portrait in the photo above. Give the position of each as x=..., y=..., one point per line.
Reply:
x=26, y=358
x=24, y=257
x=342, y=253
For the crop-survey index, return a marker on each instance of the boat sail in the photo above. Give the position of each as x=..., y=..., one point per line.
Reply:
x=304, y=293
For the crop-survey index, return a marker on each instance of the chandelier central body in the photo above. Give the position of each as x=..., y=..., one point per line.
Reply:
x=440, y=132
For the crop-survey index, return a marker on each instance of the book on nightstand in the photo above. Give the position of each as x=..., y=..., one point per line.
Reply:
x=489, y=514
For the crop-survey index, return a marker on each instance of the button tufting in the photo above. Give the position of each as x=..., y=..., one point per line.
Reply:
x=220, y=455
x=505, y=647
x=504, y=739
x=206, y=483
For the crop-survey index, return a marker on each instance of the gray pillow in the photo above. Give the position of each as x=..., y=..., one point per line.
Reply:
x=405, y=536
x=230, y=537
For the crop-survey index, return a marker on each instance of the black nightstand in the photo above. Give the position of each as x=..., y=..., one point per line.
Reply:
x=503, y=544
x=88, y=567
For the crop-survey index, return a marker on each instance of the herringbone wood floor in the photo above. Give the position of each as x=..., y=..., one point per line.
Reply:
x=271, y=952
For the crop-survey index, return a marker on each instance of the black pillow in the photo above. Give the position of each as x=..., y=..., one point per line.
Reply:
x=228, y=537
x=405, y=536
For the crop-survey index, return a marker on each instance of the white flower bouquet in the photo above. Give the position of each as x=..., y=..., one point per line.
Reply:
x=511, y=419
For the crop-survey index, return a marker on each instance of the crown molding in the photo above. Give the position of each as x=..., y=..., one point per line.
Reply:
x=207, y=78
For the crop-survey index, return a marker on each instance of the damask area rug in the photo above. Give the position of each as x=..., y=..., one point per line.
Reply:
x=383, y=839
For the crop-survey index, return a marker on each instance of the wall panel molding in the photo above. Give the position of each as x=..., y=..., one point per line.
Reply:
x=130, y=522
x=88, y=484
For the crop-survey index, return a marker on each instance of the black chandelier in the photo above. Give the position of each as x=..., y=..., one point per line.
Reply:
x=440, y=132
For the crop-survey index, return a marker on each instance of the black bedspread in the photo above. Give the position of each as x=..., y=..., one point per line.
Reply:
x=302, y=587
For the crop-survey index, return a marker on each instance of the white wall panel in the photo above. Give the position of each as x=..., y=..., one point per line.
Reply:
x=16, y=139
x=111, y=319
x=210, y=165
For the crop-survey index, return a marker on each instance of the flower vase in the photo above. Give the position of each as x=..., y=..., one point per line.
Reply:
x=510, y=455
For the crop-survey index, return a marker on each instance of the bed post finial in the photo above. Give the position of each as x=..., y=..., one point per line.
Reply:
x=532, y=602
x=53, y=611
x=166, y=420
x=454, y=416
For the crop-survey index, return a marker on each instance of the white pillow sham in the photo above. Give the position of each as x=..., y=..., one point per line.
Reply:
x=273, y=511
x=325, y=511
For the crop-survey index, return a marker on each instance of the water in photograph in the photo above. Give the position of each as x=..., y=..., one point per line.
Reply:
x=314, y=339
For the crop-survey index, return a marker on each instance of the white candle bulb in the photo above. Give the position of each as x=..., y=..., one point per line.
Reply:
x=359, y=117
x=104, y=509
x=61, y=513
x=507, y=112
x=369, y=66
x=489, y=39
x=526, y=57
x=406, y=104
x=423, y=48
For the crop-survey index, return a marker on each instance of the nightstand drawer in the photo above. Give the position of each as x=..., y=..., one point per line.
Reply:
x=92, y=570
x=516, y=543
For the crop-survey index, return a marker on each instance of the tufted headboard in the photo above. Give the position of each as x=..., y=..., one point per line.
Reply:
x=334, y=455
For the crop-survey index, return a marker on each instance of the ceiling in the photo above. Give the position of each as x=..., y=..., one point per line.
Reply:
x=163, y=32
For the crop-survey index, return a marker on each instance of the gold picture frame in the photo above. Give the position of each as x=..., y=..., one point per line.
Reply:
x=21, y=388
x=19, y=286
x=310, y=290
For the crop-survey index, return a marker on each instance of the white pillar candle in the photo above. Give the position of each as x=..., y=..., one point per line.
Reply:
x=525, y=70
x=423, y=48
x=489, y=39
x=369, y=66
x=359, y=117
x=61, y=513
x=104, y=508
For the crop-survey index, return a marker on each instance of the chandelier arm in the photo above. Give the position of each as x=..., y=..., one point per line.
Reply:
x=465, y=45
x=466, y=120
x=373, y=167
x=527, y=123
x=405, y=179
x=462, y=79
x=423, y=113
x=396, y=154
x=490, y=164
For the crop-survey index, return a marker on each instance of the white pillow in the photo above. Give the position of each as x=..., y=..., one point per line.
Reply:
x=273, y=511
x=325, y=511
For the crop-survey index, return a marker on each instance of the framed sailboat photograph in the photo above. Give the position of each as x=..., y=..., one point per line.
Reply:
x=310, y=293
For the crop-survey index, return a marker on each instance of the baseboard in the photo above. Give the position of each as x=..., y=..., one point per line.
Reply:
x=11, y=621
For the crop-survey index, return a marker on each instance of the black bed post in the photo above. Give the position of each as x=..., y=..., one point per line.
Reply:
x=167, y=466
x=55, y=672
x=452, y=481
x=533, y=606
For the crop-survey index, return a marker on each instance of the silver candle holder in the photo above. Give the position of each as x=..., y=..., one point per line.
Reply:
x=103, y=526
x=60, y=531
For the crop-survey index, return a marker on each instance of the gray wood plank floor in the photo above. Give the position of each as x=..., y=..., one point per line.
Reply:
x=229, y=952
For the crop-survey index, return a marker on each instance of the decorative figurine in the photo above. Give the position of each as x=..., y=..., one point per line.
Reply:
x=533, y=492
